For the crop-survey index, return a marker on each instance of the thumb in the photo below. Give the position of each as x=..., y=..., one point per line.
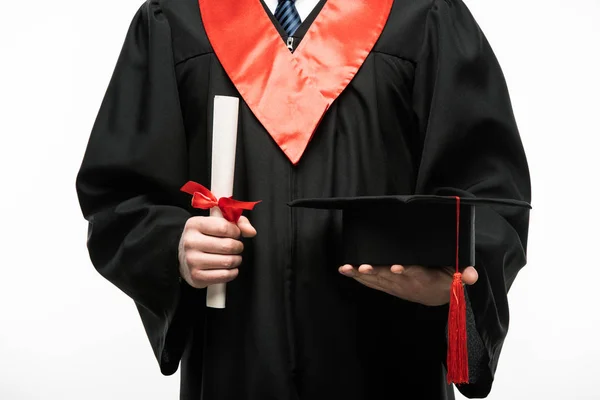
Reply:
x=470, y=276
x=246, y=227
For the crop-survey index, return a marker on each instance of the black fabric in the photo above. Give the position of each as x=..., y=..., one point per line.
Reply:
x=429, y=109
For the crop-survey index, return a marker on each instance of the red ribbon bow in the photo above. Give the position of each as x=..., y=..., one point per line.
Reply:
x=204, y=199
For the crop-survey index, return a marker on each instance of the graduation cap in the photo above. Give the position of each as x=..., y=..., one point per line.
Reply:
x=407, y=230
x=427, y=230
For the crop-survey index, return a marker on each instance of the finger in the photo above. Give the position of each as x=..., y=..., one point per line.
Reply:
x=194, y=223
x=347, y=270
x=409, y=269
x=206, y=277
x=397, y=269
x=212, y=244
x=366, y=269
x=470, y=276
x=246, y=228
x=201, y=260
x=219, y=227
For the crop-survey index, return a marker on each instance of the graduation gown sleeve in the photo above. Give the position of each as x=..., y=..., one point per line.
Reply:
x=128, y=186
x=471, y=147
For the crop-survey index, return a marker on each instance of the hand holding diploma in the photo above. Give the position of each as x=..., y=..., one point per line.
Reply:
x=214, y=255
x=210, y=250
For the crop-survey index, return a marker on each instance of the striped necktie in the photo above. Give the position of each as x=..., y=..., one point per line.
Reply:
x=288, y=16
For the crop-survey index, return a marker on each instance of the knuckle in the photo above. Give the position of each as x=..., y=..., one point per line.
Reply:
x=222, y=276
x=196, y=260
x=228, y=262
x=232, y=262
x=197, y=283
x=226, y=246
x=234, y=274
x=229, y=276
x=193, y=222
x=189, y=259
x=207, y=225
x=202, y=242
x=232, y=246
x=186, y=242
x=197, y=276
x=239, y=247
x=223, y=229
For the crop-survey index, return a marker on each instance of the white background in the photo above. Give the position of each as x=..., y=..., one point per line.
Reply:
x=66, y=333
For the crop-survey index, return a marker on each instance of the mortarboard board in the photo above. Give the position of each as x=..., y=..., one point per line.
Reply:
x=407, y=230
x=427, y=230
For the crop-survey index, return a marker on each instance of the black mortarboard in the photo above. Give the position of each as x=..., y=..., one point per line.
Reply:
x=416, y=230
x=407, y=230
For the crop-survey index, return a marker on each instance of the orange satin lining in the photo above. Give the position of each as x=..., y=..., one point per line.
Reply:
x=289, y=93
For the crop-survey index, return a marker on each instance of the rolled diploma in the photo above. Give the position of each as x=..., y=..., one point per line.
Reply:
x=224, y=139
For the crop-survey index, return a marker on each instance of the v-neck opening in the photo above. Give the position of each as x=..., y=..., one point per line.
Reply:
x=289, y=93
x=302, y=29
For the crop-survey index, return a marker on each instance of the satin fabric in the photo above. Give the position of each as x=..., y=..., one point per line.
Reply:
x=428, y=109
x=290, y=92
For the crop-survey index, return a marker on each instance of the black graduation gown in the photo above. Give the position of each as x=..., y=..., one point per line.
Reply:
x=428, y=109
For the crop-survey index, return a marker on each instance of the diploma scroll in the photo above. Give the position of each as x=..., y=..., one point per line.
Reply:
x=224, y=140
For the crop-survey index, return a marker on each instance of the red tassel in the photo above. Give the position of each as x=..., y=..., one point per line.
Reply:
x=457, y=358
